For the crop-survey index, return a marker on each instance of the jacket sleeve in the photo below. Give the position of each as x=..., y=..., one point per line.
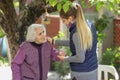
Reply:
x=62, y=42
x=16, y=63
x=54, y=53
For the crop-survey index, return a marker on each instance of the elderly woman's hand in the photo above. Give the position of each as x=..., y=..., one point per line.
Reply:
x=62, y=53
x=49, y=39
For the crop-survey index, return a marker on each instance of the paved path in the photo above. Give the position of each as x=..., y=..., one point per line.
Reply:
x=6, y=74
x=54, y=76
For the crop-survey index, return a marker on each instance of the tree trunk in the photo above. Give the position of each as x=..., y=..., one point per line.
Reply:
x=9, y=24
x=15, y=25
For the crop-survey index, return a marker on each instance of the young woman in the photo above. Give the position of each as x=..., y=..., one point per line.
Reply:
x=83, y=42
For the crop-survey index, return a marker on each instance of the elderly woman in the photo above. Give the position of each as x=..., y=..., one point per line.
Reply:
x=32, y=60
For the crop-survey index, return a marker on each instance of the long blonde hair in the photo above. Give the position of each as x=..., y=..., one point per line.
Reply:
x=83, y=29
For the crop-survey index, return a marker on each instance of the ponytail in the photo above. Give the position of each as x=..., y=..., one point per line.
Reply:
x=83, y=30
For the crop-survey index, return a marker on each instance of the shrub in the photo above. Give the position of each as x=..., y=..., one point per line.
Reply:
x=112, y=57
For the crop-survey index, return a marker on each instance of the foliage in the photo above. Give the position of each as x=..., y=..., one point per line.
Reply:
x=60, y=35
x=2, y=33
x=61, y=4
x=101, y=24
x=62, y=68
x=116, y=59
x=3, y=61
x=112, y=57
x=107, y=56
x=112, y=5
x=1, y=12
x=16, y=4
x=100, y=37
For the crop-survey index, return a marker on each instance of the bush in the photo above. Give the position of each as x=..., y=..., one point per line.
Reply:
x=107, y=56
x=3, y=61
x=62, y=68
x=116, y=59
x=112, y=57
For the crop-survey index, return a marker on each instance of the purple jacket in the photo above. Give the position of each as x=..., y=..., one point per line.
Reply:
x=25, y=65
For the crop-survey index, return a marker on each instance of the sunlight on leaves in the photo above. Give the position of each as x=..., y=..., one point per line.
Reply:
x=53, y=2
x=59, y=6
x=62, y=4
x=16, y=4
x=60, y=35
x=112, y=5
x=1, y=11
x=2, y=33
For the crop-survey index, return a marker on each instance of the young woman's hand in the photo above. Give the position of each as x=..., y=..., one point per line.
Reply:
x=61, y=57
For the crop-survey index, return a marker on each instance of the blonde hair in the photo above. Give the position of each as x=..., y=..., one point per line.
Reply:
x=83, y=29
x=31, y=34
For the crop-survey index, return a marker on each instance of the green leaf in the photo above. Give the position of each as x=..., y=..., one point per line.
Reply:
x=53, y=2
x=61, y=34
x=66, y=7
x=116, y=12
x=59, y=6
x=47, y=1
x=1, y=11
x=1, y=59
x=2, y=33
x=16, y=4
x=99, y=6
x=110, y=6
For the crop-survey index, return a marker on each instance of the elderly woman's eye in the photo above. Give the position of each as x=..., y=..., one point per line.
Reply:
x=42, y=33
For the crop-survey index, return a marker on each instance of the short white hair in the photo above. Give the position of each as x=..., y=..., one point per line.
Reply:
x=31, y=34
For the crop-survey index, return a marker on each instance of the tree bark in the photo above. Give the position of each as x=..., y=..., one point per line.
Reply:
x=9, y=24
x=16, y=25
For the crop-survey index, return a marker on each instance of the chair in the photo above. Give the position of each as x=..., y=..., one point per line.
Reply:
x=107, y=69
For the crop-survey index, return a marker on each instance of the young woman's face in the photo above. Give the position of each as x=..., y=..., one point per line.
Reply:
x=67, y=21
x=40, y=35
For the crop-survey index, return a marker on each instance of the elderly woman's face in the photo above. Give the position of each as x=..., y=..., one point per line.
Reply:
x=40, y=35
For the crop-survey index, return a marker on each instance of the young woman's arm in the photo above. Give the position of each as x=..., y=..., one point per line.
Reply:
x=80, y=53
x=62, y=42
x=58, y=42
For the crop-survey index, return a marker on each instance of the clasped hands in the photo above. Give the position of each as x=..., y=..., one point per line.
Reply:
x=61, y=55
